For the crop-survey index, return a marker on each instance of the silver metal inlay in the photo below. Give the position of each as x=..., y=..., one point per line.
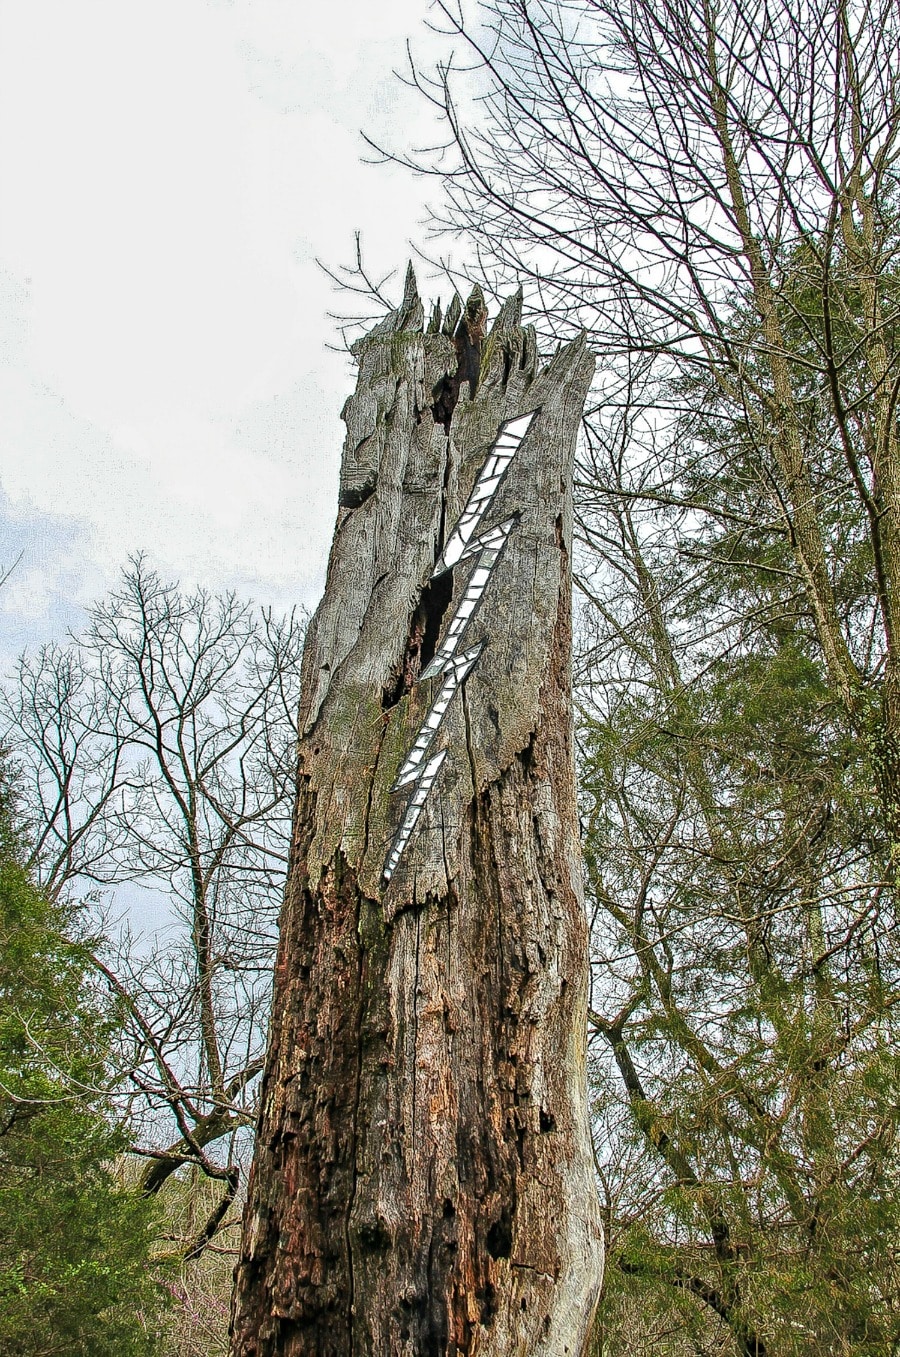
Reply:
x=461, y=545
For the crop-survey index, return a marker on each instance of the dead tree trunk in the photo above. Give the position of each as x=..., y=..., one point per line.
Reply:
x=423, y=1181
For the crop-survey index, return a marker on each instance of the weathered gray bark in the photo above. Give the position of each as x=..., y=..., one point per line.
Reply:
x=423, y=1182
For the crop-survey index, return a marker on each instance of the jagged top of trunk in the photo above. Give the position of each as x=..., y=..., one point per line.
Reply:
x=429, y=404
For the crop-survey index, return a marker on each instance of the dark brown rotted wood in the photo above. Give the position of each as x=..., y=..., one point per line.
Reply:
x=422, y=1183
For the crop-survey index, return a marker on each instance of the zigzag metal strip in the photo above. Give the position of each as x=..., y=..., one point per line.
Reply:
x=489, y=546
x=413, y=811
x=458, y=671
x=484, y=490
x=461, y=545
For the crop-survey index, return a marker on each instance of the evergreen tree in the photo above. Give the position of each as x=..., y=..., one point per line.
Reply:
x=76, y=1275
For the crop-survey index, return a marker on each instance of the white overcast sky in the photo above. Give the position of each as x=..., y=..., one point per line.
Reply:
x=169, y=172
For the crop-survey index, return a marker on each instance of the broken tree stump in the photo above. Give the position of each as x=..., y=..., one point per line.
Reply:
x=423, y=1182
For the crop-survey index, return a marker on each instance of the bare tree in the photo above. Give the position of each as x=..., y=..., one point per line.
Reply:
x=647, y=166
x=157, y=750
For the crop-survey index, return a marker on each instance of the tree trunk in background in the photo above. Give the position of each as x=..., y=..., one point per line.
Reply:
x=423, y=1180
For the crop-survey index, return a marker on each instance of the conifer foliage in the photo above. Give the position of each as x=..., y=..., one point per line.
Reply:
x=76, y=1274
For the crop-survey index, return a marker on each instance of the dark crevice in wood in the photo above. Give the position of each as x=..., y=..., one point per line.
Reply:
x=433, y=606
x=526, y=755
x=467, y=342
x=352, y=496
x=445, y=488
x=422, y=640
x=499, y=1236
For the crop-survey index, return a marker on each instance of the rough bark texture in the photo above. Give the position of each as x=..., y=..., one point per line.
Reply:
x=423, y=1181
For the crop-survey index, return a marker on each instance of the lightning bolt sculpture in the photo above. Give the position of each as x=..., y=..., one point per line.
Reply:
x=463, y=544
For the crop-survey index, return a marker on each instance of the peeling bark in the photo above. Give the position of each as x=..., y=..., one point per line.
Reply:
x=423, y=1182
